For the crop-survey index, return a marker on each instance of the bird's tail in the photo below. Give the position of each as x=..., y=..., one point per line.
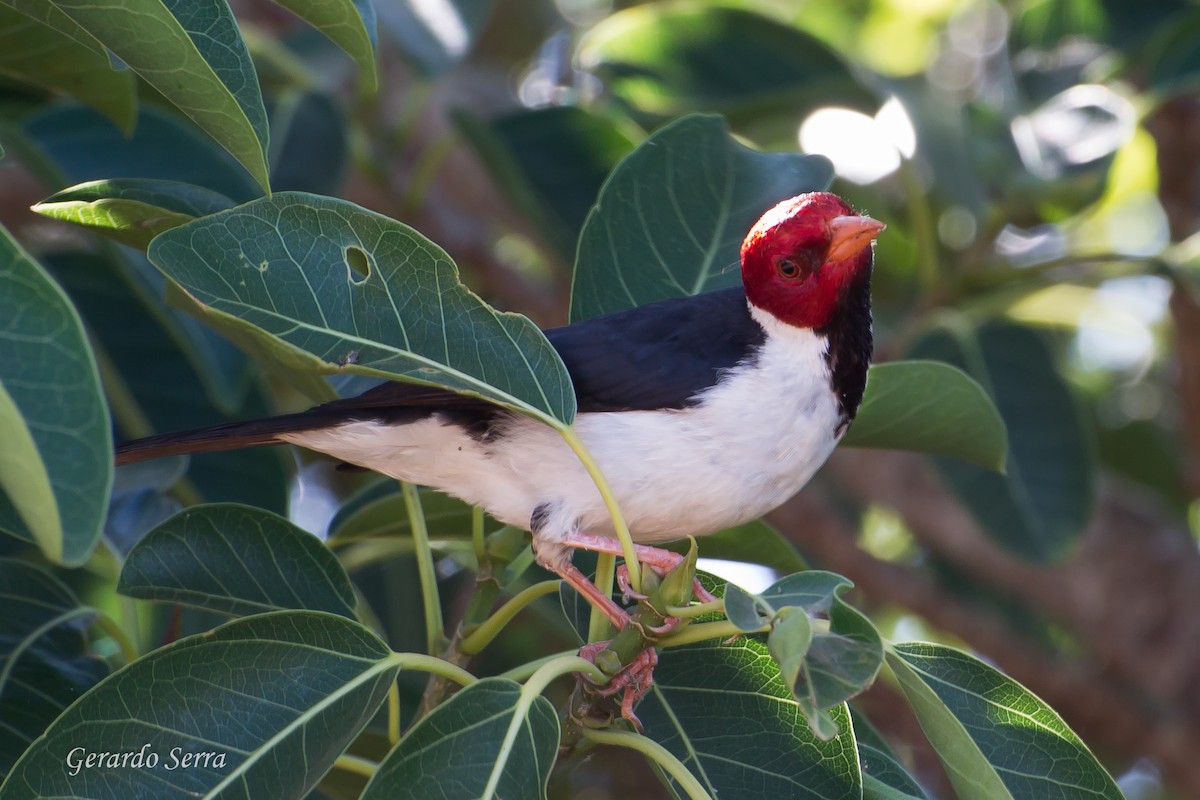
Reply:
x=219, y=438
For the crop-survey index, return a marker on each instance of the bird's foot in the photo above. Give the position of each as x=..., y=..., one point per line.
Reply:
x=632, y=681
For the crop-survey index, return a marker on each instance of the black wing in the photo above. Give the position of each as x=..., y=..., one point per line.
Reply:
x=658, y=355
x=655, y=356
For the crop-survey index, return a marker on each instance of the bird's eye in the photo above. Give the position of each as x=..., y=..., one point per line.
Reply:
x=793, y=268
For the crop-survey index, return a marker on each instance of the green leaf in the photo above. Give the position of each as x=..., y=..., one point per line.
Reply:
x=132, y=210
x=823, y=668
x=671, y=218
x=407, y=318
x=996, y=739
x=192, y=52
x=551, y=162
x=274, y=699
x=459, y=748
x=45, y=662
x=929, y=407
x=723, y=710
x=668, y=59
x=1040, y=507
x=236, y=560
x=85, y=146
x=38, y=54
x=350, y=24
x=56, y=462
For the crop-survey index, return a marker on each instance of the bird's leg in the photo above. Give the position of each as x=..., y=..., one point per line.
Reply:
x=661, y=561
x=580, y=583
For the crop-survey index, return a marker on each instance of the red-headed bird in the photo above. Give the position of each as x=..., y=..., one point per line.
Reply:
x=702, y=412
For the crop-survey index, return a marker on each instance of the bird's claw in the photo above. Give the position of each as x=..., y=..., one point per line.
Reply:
x=632, y=682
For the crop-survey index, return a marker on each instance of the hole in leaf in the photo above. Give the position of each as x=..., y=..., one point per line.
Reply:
x=358, y=265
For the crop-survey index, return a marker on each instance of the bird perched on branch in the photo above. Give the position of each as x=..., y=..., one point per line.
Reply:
x=702, y=412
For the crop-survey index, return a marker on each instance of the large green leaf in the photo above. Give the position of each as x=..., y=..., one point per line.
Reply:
x=724, y=711
x=45, y=662
x=274, y=699
x=192, y=52
x=350, y=24
x=551, y=162
x=671, y=218
x=671, y=58
x=236, y=560
x=997, y=740
x=325, y=286
x=56, y=462
x=929, y=407
x=46, y=57
x=458, y=751
x=1040, y=507
x=132, y=210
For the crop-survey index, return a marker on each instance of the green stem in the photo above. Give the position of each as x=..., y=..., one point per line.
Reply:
x=599, y=627
x=359, y=766
x=533, y=689
x=423, y=663
x=703, y=631
x=656, y=753
x=698, y=610
x=522, y=672
x=487, y=630
x=393, y=713
x=435, y=634
x=610, y=502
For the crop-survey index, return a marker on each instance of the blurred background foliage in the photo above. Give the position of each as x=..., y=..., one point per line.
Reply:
x=1037, y=163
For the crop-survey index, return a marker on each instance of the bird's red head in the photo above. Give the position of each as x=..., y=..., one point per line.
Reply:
x=801, y=256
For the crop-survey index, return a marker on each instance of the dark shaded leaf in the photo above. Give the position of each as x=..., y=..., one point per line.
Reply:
x=551, y=162
x=458, y=751
x=274, y=699
x=56, y=462
x=236, y=560
x=350, y=24
x=85, y=146
x=45, y=662
x=671, y=218
x=1040, y=507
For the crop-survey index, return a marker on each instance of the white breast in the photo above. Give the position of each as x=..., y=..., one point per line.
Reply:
x=751, y=443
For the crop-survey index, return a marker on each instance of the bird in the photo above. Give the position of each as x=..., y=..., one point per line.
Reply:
x=702, y=412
